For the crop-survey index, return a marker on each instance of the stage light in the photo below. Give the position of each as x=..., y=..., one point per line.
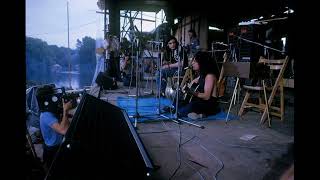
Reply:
x=215, y=28
x=175, y=21
x=288, y=10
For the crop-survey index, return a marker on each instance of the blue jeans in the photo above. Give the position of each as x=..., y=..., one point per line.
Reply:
x=165, y=73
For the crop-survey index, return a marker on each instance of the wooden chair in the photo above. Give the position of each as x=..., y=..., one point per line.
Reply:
x=276, y=67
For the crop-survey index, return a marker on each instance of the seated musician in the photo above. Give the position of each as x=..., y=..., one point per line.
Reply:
x=204, y=100
x=170, y=62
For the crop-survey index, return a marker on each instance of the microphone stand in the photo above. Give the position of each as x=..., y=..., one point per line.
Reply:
x=153, y=44
x=178, y=85
x=132, y=65
x=259, y=44
x=159, y=63
x=152, y=65
x=137, y=115
x=233, y=99
x=137, y=88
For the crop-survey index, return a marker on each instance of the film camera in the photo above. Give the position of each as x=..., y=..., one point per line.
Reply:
x=50, y=99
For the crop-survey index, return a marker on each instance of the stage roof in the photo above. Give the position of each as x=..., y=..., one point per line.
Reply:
x=220, y=12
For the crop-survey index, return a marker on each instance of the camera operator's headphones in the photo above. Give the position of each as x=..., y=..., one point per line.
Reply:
x=54, y=99
x=51, y=102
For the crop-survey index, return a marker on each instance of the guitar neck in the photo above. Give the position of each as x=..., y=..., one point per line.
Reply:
x=222, y=69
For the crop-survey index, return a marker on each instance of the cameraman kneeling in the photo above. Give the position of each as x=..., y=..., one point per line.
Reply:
x=52, y=129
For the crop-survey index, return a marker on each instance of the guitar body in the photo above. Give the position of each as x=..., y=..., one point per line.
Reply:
x=193, y=88
x=221, y=86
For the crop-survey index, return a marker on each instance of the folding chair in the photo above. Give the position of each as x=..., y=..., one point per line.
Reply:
x=276, y=66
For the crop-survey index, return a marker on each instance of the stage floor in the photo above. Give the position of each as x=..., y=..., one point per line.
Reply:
x=216, y=150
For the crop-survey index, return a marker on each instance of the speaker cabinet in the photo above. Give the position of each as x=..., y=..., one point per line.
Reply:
x=106, y=82
x=101, y=143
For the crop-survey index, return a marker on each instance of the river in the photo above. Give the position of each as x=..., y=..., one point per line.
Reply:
x=61, y=79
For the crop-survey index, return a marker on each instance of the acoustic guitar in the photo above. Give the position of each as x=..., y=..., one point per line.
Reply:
x=185, y=93
x=188, y=91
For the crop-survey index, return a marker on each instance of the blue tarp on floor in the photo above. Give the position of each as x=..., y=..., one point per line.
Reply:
x=148, y=109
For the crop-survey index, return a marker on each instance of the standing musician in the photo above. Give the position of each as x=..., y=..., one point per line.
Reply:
x=113, y=59
x=170, y=63
x=102, y=48
x=204, y=101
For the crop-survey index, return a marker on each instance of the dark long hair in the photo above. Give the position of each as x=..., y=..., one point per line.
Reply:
x=172, y=38
x=168, y=52
x=207, y=64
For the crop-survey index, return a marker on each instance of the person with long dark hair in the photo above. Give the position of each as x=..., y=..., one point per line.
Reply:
x=171, y=57
x=204, y=101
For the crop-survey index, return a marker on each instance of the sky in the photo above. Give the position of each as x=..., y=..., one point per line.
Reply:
x=47, y=20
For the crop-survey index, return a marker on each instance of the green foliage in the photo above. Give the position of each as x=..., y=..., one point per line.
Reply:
x=86, y=50
x=41, y=57
x=87, y=56
x=38, y=51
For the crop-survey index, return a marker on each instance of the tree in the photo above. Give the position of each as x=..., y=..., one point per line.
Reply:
x=87, y=59
x=38, y=59
x=41, y=57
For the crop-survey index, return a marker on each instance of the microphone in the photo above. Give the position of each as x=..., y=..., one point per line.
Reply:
x=221, y=43
x=188, y=67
